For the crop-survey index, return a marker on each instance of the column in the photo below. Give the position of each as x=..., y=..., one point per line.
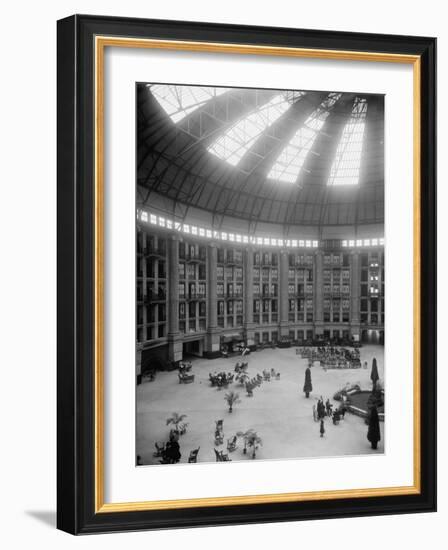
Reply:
x=355, y=295
x=249, y=298
x=174, y=337
x=319, y=293
x=284, y=295
x=212, y=304
x=138, y=363
x=144, y=259
x=212, y=348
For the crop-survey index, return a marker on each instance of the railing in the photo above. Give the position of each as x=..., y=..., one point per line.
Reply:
x=196, y=295
x=154, y=251
x=155, y=296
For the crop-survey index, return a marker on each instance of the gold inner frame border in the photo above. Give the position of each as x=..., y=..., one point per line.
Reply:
x=101, y=42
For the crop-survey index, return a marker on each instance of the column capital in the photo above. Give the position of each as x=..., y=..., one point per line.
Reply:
x=175, y=237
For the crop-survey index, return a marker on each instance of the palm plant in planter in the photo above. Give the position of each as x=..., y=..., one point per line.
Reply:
x=243, y=378
x=232, y=398
x=254, y=441
x=245, y=435
x=251, y=440
x=175, y=420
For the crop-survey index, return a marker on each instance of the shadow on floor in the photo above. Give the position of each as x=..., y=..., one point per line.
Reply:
x=47, y=517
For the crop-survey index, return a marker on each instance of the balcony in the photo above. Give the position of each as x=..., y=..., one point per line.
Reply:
x=231, y=296
x=194, y=259
x=157, y=252
x=196, y=296
x=155, y=296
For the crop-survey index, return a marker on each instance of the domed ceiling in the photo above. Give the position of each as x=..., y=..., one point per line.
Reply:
x=271, y=156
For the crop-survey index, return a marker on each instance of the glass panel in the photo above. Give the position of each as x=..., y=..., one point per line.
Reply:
x=291, y=159
x=347, y=162
x=239, y=138
x=180, y=101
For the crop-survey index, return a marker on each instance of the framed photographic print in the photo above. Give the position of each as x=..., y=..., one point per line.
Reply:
x=246, y=274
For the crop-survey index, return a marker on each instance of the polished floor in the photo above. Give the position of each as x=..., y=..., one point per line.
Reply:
x=278, y=411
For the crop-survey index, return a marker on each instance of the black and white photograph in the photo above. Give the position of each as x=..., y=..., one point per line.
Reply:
x=259, y=274
x=198, y=236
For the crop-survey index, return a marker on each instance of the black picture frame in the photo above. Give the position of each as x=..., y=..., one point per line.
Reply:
x=76, y=511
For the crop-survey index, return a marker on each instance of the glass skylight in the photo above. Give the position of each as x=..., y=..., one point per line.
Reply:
x=291, y=159
x=239, y=138
x=180, y=101
x=347, y=162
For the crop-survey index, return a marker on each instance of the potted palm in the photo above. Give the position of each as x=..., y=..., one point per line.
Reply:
x=232, y=398
x=245, y=435
x=242, y=378
x=254, y=441
x=175, y=420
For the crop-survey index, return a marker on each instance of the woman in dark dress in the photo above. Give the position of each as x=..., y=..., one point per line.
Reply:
x=322, y=427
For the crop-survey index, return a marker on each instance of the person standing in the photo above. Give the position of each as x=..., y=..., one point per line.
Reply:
x=322, y=427
x=373, y=433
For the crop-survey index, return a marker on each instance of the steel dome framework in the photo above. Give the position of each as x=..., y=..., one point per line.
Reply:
x=261, y=155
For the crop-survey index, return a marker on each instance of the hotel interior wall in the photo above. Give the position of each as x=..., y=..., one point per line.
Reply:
x=163, y=349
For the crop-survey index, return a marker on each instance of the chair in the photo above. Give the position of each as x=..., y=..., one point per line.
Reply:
x=219, y=425
x=149, y=376
x=231, y=444
x=221, y=457
x=219, y=437
x=160, y=448
x=193, y=458
x=185, y=378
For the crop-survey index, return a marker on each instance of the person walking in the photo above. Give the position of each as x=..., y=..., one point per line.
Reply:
x=322, y=427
